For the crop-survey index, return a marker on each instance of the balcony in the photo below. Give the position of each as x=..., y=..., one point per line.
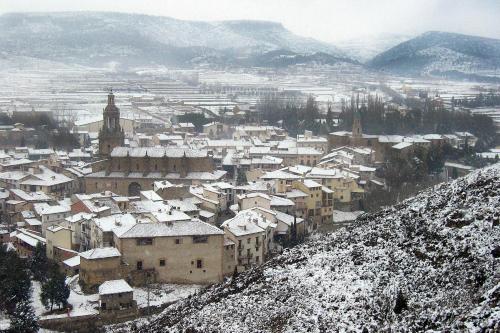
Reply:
x=246, y=256
x=300, y=205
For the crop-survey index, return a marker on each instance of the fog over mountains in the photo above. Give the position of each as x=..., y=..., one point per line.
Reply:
x=364, y=48
x=93, y=38
x=103, y=38
x=440, y=52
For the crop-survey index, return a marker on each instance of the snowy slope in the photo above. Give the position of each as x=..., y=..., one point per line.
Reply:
x=91, y=38
x=440, y=250
x=441, y=51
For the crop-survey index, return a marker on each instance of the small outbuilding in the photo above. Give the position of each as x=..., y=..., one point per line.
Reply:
x=116, y=295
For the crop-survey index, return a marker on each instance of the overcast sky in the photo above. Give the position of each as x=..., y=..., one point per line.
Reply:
x=327, y=20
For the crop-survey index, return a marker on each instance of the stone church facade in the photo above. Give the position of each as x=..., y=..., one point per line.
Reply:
x=127, y=171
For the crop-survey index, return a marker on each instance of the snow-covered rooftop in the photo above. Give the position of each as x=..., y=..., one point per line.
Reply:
x=178, y=228
x=173, y=152
x=112, y=287
x=101, y=253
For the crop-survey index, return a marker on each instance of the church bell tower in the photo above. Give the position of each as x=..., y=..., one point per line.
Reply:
x=357, y=131
x=111, y=134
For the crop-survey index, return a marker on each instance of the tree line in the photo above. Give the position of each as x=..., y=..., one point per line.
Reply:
x=480, y=100
x=293, y=113
x=48, y=133
x=420, y=117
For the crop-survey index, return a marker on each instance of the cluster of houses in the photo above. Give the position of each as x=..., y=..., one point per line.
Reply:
x=180, y=206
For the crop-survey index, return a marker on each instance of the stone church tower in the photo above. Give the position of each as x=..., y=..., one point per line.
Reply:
x=111, y=134
x=357, y=131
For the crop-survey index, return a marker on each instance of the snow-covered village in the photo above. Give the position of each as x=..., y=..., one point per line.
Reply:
x=174, y=167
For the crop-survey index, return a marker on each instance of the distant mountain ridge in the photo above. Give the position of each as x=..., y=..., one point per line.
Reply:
x=120, y=41
x=441, y=52
x=364, y=48
x=93, y=38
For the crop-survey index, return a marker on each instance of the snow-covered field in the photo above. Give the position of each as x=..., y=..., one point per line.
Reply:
x=82, y=304
x=88, y=304
x=163, y=293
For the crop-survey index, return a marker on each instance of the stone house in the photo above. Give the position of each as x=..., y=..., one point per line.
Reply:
x=116, y=295
x=250, y=231
x=172, y=252
x=100, y=265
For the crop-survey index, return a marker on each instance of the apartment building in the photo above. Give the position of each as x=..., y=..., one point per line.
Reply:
x=250, y=231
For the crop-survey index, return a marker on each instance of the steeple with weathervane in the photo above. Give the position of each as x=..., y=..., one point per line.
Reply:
x=111, y=134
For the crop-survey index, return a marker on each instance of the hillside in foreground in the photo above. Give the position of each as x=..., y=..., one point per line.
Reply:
x=430, y=263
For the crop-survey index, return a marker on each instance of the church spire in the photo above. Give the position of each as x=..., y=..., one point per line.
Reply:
x=111, y=134
x=111, y=98
x=357, y=130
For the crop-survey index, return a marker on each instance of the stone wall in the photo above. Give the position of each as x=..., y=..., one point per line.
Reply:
x=161, y=165
x=96, y=271
x=180, y=260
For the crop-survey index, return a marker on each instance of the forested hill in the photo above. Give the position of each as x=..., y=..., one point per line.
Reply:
x=104, y=38
x=438, y=52
x=430, y=263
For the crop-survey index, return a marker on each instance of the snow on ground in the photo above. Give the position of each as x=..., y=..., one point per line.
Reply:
x=35, y=298
x=440, y=250
x=163, y=293
x=4, y=322
x=88, y=304
x=82, y=304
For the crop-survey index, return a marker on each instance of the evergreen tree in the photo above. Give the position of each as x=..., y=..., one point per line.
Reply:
x=435, y=159
x=329, y=117
x=39, y=263
x=55, y=291
x=197, y=119
x=293, y=231
x=23, y=319
x=15, y=284
x=401, y=303
x=242, y=177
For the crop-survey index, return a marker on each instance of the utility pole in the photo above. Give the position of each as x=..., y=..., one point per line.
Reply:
x=148, y=275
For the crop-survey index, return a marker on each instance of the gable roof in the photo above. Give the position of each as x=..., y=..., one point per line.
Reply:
x=178, y=228
x=101, y=253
